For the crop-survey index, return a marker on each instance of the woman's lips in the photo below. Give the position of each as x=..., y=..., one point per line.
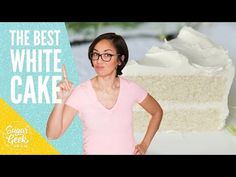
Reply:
x=99, y=67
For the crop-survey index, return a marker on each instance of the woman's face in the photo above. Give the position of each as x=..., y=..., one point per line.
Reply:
x=109, y=54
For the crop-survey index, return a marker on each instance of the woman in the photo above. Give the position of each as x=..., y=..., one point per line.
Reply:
x=104, y=103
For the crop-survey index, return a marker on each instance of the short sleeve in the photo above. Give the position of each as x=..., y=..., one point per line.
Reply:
x=75, y=98
x=139, y=92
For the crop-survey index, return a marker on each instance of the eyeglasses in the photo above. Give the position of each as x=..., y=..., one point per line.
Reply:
x=105, y=56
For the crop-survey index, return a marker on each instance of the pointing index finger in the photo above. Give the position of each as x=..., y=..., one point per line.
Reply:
x=64, y=71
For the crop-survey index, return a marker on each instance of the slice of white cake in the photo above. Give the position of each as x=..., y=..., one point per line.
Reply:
x=190, y=76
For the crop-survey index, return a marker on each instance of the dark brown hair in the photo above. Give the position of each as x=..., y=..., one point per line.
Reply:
x=120, y=45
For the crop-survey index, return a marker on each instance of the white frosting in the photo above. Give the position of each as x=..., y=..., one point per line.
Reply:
x=190, y=53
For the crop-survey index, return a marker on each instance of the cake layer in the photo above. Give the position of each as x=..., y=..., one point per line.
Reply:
x=183, y=120
x=187, y=89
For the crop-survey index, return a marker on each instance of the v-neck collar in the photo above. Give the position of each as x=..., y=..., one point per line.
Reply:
x=99, y=103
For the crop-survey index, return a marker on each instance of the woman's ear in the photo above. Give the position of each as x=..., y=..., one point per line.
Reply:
x=122, y=58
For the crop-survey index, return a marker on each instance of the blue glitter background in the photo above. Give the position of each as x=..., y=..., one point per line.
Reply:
x=37, y=114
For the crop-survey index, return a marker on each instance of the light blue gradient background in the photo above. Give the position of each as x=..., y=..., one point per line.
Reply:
x=37, y=114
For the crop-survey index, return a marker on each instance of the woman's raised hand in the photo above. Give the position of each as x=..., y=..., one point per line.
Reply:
x=65, y=86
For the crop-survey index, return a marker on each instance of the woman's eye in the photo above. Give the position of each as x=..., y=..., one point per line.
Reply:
x=107, y=55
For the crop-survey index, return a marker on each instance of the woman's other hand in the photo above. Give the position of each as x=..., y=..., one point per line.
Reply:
x=140, y=149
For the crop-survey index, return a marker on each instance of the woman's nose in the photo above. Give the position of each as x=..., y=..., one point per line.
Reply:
x=99, y=60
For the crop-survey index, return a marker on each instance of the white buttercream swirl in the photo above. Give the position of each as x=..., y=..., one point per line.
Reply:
x=190, y=52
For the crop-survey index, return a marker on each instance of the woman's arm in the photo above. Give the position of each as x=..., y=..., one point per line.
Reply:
x=61, y=115
x=152, y=107
x=59, y=120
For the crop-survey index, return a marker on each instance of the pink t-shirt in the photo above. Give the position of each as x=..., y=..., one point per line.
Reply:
x=107, y=131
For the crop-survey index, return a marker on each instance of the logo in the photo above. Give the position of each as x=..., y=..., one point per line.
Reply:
x=16, y=135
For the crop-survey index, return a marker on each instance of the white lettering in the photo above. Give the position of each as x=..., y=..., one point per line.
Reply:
x=30, y=92
x=15, y=79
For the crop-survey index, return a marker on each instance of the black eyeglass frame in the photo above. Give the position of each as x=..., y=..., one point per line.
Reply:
x=101, y=55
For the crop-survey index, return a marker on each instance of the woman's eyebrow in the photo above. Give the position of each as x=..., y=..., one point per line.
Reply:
x=107, y=50
x=104, y=50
